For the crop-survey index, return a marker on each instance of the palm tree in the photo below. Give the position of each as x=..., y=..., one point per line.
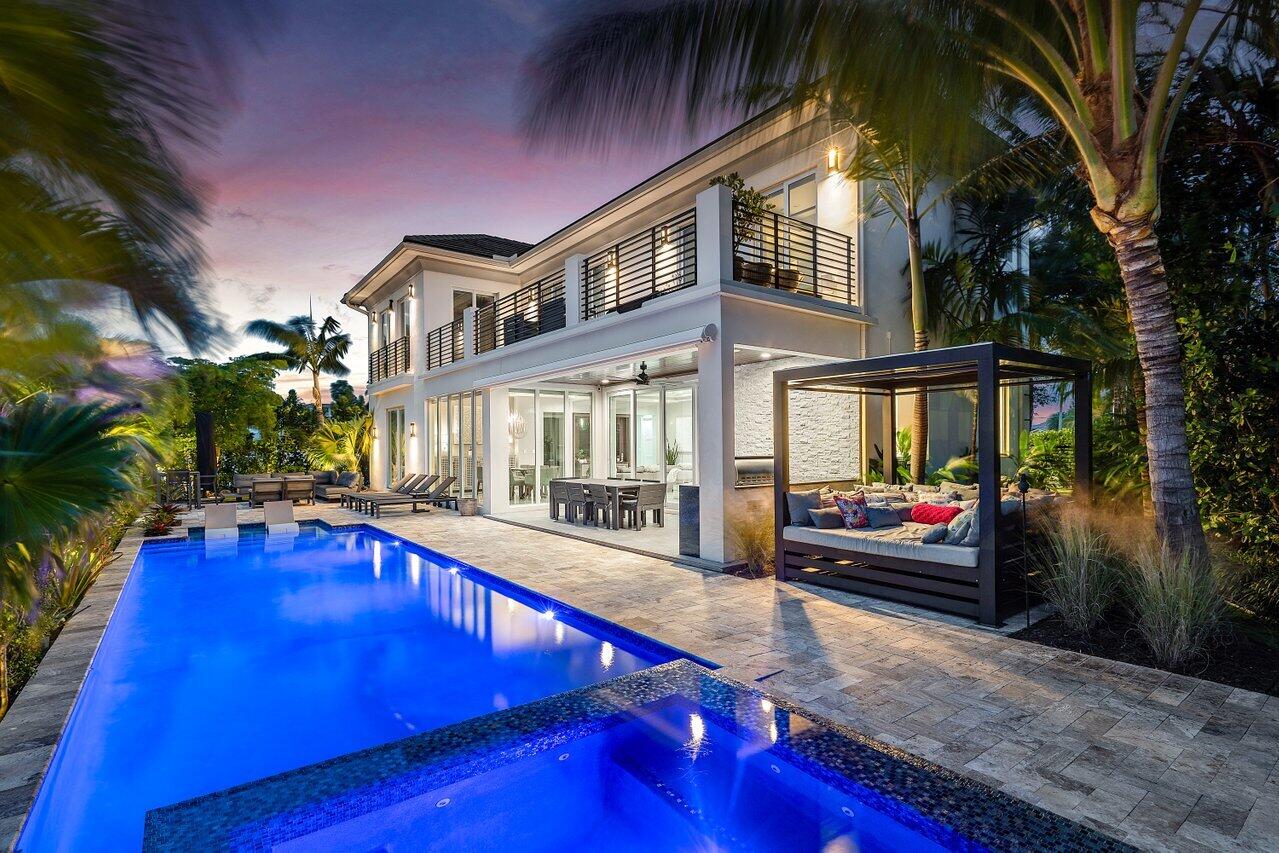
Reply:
x=931, y=65
x=59, y=463
x=343, y=445
x=307, y=347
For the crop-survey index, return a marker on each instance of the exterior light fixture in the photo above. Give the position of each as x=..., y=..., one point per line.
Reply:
x=412, y=290
x=612, y=259
x=373, y=431
x=663, y=235
x=832, y=159
x=412, y=429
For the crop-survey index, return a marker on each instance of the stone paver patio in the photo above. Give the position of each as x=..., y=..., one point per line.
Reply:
x=1161, y=761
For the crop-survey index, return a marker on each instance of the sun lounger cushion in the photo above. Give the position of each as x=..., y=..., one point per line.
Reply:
x=903, y=542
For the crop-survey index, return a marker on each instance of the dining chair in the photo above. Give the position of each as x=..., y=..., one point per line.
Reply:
x=575, y=502
x=599, y=504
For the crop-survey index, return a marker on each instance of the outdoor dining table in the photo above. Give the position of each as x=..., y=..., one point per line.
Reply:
x=615, y=490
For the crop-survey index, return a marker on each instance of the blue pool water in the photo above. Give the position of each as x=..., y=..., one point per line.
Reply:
x=227, y=662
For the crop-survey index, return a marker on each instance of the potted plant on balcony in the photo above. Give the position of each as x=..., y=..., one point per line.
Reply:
x=748, y=223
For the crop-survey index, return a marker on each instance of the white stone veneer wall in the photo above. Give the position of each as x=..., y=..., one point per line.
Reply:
x=825, y=433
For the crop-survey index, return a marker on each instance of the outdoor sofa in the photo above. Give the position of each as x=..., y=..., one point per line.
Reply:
x=331, y=485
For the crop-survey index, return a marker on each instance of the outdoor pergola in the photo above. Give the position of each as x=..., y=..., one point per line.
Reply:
x=985, y=591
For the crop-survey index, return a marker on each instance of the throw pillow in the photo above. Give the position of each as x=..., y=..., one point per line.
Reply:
x=799, y=503
x=827, y=518
x=926, y=513
x=903, y=509
x=347, y=479
x=973, y=539
x=934, y=534
x=957, y=529
x=853, y=508
x=883, y=516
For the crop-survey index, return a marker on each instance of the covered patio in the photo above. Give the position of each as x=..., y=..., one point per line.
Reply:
x=985, y=580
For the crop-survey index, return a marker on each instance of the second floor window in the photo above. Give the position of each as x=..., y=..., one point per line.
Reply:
x=463, y=299
x=403, y=317
x=797, y=198
x=384, y=328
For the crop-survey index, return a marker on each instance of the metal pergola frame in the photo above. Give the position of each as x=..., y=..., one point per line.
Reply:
x=984, y=367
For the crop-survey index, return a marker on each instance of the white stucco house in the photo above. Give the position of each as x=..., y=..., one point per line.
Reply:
x=640, y=340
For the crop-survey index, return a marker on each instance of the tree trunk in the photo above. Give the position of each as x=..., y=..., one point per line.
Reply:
x=315, y=394
x=1154, y=324
x=919, y=319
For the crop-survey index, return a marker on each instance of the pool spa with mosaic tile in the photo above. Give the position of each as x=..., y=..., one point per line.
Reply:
x=344, y=689
x=669, y=758
x=227, y=661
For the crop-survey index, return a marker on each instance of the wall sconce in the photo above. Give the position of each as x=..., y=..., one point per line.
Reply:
x=373, y=432
x=832, y=159
x=412, y=289
x=664, y=235
x=412, y=429
x=612, y=259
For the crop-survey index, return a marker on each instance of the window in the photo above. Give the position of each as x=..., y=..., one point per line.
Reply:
x=463, y=299
x=394, y=445
x=521, y=430
x=383, y=328
x=403, y=316
x=797, y=198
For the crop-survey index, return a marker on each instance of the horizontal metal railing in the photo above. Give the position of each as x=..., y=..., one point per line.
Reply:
x=772, y=250
x=658, y=260
x=444, y=345
x=390, y=360
x=533, y=310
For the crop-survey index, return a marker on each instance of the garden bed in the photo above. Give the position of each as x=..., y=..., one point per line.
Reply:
x=1240, y=659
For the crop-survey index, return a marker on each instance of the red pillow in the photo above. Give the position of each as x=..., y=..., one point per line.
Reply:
x=926, y=513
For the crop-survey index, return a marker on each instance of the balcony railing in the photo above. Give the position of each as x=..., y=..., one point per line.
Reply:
x=444, y=345
x=533, y=310
x=390, y=360
x=624, y=276
x=772, y=250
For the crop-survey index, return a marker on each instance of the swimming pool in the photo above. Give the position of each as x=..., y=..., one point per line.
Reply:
x=225, y=662
x=672, y=757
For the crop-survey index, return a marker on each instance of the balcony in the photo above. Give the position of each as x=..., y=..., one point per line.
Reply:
x=772, y=250
x=390, y=360
x=768, y=250
x=654, y=262
x=532, y=310
x=444, y=345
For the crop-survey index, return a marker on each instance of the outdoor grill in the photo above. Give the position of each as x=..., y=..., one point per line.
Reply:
x=753, y=471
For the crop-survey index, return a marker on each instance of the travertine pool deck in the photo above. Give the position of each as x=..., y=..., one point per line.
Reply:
x=1161, y=761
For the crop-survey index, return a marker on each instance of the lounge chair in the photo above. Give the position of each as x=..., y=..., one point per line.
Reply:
x=219, y=522
x=279, y=517
x=360, y=500
x=349, y=498
x=435, y=496
x=265, y=489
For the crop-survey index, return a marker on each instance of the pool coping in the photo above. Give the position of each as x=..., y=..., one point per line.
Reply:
x=31, y=730
x=922, y=796
x=33, y=727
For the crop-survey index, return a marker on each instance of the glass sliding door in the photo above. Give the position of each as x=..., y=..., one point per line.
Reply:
x=521, y=429
x=551, y=433
x=394, y=445
x=620, y=458
x=680, y=440
x=648, y=433
x=580, y=433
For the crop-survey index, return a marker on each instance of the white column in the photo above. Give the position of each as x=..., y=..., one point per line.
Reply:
x=497, y=452
x=468, y=332
x=417, y=341
x=715, y=444
x=573, y=267
x=714, y=235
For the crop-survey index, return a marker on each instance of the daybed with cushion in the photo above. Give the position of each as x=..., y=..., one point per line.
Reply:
x=340, y=484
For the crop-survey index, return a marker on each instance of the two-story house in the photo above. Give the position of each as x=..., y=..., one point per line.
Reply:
x=639, y=341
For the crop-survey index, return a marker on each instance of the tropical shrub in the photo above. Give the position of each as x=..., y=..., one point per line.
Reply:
x=751, y=535
x=1077, y=571
x=1177, y=607
x=342, y=445
x=1049, y=458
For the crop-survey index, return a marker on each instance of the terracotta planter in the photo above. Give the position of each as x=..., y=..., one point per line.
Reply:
x=468, y=506
x=788, y=279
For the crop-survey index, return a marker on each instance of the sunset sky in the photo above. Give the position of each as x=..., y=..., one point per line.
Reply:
x=362, y=122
